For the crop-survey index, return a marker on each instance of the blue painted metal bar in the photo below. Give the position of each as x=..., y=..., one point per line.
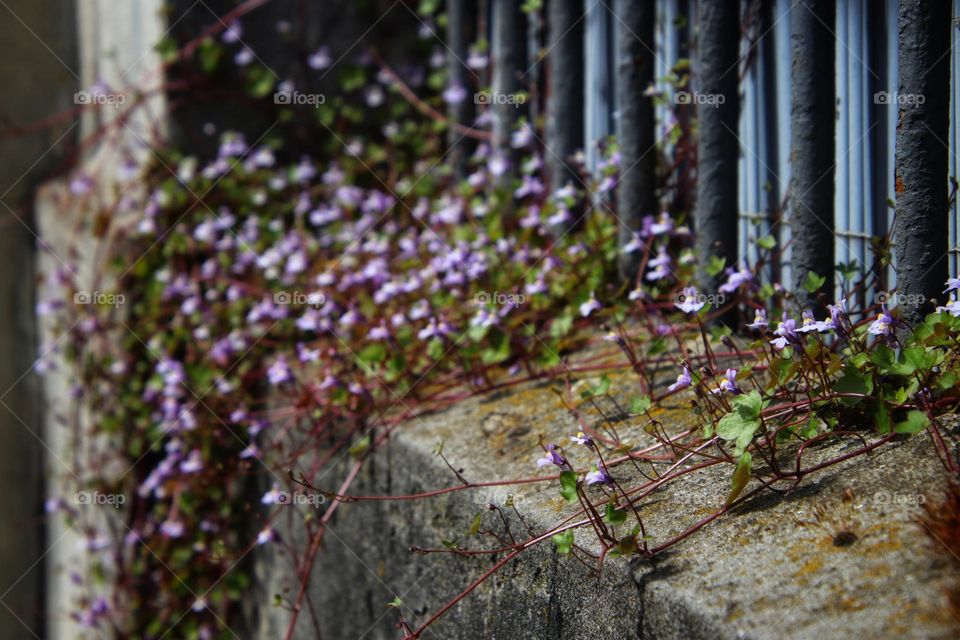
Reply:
x=954, y=141
x=599, y=96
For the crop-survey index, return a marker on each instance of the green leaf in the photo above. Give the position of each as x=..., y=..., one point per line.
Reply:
x=614, y=516
x=396, y=603
x=813, y=282
x=475, y=526
x=767, y=242
x=360, y=447
x=563, y=542
x=260, y=81
x=435, y=349
x=640, y=404
x=561, y=326
x=602, y=388
x=740, y=425
x=568, y=485
x=853, y=381
x=373, y=353
x=715, y=265
x=916, y=422
x=741, y=476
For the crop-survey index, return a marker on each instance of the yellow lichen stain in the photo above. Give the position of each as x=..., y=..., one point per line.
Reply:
x=812, y=566
x=881, y=570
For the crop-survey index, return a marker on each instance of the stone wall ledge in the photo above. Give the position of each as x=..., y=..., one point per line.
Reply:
x=757, y=572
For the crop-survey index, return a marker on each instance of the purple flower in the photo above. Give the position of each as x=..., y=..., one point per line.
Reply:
x=553, y=457
x=664, y=224
x=953, y=284
x=729, y=383
x=193, y=463
x=689, y=301
x=244, y=57
x=838, y=314
x=454, y=94
x=589, y=306
x=952, y=307
x=883, y=325
x=265, y=535
x=233, y=32
x=279, y=372
x=661, y=265
x=683, y=380
x=808, y=323
x=320, y=60
x=786, y=332
x=172, y=528
x=736, y=279
x=599, y=476
x=759, y=320
x=582, y=438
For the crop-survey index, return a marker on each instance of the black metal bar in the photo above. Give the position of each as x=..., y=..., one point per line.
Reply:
x=921, y=224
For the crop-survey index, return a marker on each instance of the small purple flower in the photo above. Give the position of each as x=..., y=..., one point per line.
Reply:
x=454, y=94
x=883, y=325
x=786, y=332
x=599, y=476
x=172, y=528
x=808, y=323
x=553, y=457
x=683, y=380
x=729, y=383
x=664, y=224
x=233, y=33
x=582, y=438
x=736, y=279
x=952, y=307
x=193, y=463
x=759, y=320
x=320, y=60
x=589, y=306
x=265, y=535
x=279, y=372
x=689, y=300
x=660, y=265
x=953, y=284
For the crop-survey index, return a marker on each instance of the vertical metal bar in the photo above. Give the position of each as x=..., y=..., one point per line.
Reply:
x=509, y=49
x=813, y=129
x=843, y=134
x=599, y=81
x=781, y=181
x=636, y=127
x=462, y=20
x=565, y=101
x=718, y=107
x=921, y=226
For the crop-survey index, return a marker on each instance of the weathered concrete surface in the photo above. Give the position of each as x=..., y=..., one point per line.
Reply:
x=756, y=573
